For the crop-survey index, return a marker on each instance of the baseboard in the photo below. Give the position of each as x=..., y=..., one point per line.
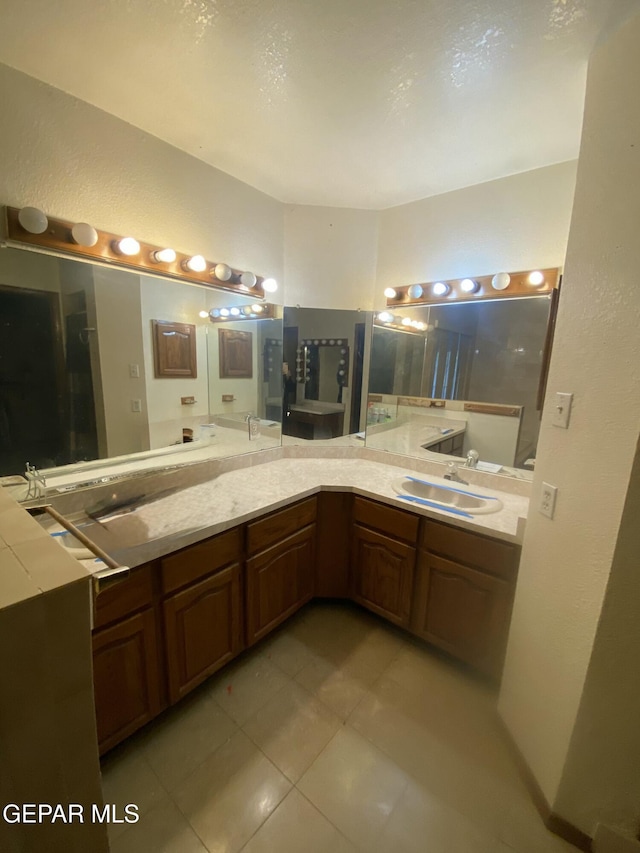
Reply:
x=554, y=823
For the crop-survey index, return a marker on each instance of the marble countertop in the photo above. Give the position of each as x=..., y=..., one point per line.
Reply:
x=196, y=512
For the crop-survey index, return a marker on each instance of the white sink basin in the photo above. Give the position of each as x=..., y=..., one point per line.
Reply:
x=455, y=497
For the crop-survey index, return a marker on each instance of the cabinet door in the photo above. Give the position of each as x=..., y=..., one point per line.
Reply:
x=279, y=581
x=463, y=611
x=203, y=629
x=126, y=677
x=382, y=574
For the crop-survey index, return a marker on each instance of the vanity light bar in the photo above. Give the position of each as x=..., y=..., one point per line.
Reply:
x=234, y=313
x=400, y=324
x=30, y=226
x=502, y=285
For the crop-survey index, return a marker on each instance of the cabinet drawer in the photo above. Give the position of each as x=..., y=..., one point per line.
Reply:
x=401, y=525
x=498, y=558
x=261, y=534
x=199, y=560
x=126, y=597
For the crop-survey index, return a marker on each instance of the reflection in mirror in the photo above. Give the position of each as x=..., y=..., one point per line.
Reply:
x=324, y=365
x=447, y=379
x=79, y=377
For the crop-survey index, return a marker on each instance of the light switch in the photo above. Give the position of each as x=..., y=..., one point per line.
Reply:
x=562, y=409
x=136, y=405
x=134, y=371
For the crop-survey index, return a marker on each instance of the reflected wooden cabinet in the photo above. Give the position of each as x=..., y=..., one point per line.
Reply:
x=382, y=574
x=203, y=629
x=126, y=677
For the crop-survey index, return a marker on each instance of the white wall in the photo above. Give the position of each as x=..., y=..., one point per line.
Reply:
x=515, y=223
x=566, y=563
x=79, y=163
x=330, y=257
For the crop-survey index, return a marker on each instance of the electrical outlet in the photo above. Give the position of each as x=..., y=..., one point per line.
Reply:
x=562, y=409
x=134, y=371
x=548, y=497
x=136, y=405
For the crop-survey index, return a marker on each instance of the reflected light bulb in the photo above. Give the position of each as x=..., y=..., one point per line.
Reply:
x=224, y=312
x=257, y=309
x=385, y=317
x=406, y=321
x=203, y=314
x=234, y=312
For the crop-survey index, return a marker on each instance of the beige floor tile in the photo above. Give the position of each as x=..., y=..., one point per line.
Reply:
x=244, y=687
x=292, y=729
x=287, y=651
x=336, y=688
x=161, y=830
x=185, y=737
x=524, y=830
x=421, y=822
x=355, y=786
x=294, y=827
x=128, y=778
x=231, y=794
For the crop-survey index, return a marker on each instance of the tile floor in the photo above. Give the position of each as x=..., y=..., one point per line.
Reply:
x=337, y=734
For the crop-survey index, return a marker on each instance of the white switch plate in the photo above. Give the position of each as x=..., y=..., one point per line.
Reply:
x=548, y=497
x=562, y=409
x=136, y=405
x=134, y=371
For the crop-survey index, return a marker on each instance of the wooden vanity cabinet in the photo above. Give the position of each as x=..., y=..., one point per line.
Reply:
x=280, y=567
x=201, y=610
x=464, y=593
x=383, y=557
x=127, y=674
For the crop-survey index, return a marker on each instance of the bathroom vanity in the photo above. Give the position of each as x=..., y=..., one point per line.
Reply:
x=185, y=614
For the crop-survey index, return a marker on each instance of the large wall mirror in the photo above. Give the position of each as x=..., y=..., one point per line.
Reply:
x=325, y=354
x=97, y=363
x=447, y=379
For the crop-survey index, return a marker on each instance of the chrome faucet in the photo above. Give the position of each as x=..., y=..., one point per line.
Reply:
x=472, y=459
x=37, y=482
x=452, y=474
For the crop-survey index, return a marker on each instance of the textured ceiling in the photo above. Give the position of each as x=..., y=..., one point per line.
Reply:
x=357, y=103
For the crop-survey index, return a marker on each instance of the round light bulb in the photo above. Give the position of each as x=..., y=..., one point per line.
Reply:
x=215, y=312
x=84, y=234
x=223, y=272
x=246, y=310
x=385, y=317
x=406, y=321
x=270, y=285
x=415, y=291
x=224, y=312
x=390, y=293
x=500, y=281
x=468, y=285
x=397, y=319
x=203, y=314
x=440, y=289
x=163, y=256
x=234, y=312
x=248, y=279
x=536, y=278
x=196, y=264
x=128, y=246
x=33, y=220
